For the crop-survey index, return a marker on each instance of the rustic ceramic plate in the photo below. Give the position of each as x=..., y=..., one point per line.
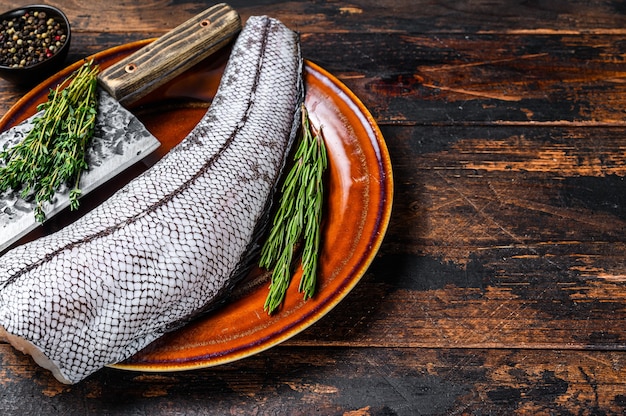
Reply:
x=359, y=196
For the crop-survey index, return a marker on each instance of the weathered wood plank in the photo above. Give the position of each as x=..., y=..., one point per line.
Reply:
x=507, y=186
x=486, y=79
x=455, y=79
x=441, y=16
x=500, y=287
x=336, y=381
x=525, y=220
x=504, y=237
x=508, y=237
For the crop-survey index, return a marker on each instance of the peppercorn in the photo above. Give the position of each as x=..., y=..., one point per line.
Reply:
x=29, y=39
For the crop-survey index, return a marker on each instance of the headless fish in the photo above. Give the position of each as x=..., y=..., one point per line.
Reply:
x=172, y=241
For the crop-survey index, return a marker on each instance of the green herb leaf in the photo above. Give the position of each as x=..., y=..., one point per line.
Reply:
x=53, y=152
x=298, y=219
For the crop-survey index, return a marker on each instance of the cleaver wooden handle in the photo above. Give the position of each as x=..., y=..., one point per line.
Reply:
x=158, y=62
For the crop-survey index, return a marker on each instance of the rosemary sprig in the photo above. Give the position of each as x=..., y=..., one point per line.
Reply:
x=53, y=152
x=297, y=219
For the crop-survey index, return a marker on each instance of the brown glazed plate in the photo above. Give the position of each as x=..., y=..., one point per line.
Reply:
x=358, y=196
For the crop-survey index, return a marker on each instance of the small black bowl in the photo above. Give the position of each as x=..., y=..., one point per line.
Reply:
x=30, y=75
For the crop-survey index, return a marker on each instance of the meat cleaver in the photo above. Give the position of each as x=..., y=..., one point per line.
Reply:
x=120, y=140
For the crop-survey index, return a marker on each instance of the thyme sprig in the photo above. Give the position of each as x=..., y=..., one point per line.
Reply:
x=298, y=219
x=53, y=151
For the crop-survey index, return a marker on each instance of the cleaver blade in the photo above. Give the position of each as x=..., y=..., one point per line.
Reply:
x=120, y=139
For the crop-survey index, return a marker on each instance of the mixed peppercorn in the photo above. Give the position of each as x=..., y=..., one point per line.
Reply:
x=29, y=39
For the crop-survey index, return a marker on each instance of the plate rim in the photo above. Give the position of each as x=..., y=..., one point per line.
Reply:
x=16, y=113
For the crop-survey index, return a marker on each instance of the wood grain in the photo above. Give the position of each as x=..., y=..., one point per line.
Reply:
x=439, y=16
x=338, y=381
x=482, y=79
x=501, y=283
x=186, y=45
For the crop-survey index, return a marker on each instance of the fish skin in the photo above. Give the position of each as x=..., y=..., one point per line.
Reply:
x=174, y=239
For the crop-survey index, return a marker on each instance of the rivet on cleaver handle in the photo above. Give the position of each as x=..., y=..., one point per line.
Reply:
x=153, y=65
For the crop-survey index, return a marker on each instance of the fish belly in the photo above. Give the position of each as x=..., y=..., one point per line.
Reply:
x=173, y=240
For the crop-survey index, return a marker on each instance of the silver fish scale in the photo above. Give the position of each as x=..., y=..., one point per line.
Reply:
x=170, y=241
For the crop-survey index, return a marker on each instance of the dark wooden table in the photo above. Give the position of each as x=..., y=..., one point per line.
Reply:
x=500, y=287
